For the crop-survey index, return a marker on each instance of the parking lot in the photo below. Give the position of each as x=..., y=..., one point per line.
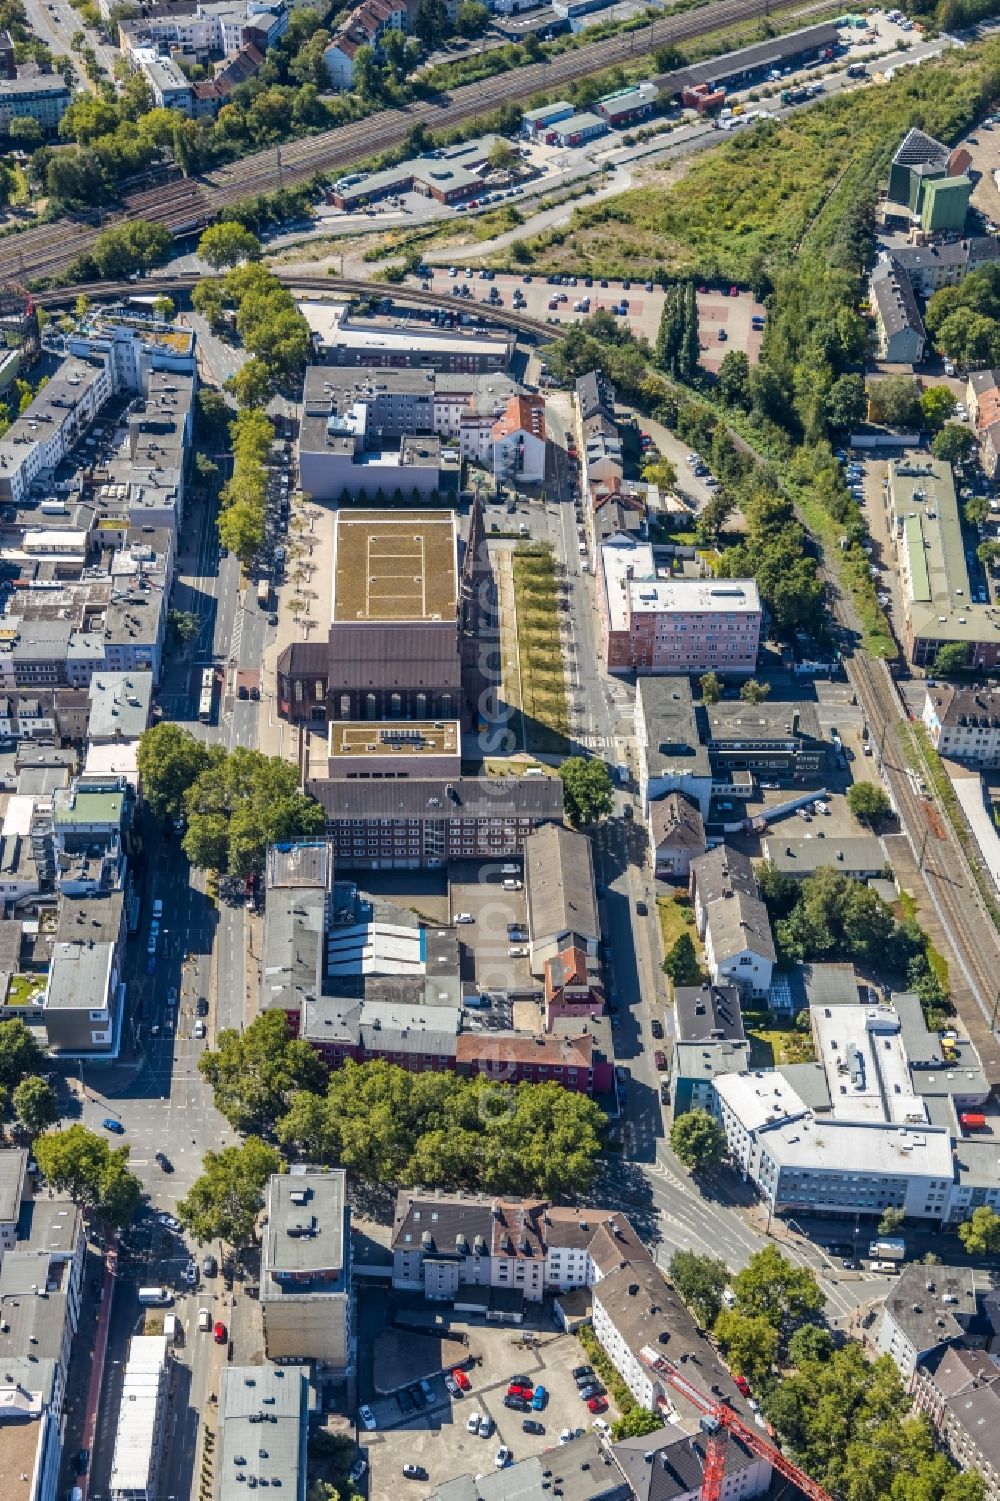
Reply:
x=717, y=309
x=438, y=1438
x=488, y=956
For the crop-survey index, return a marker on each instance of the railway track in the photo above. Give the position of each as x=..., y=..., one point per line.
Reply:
x=342, y=286
x=190, y=204
x=940, y=858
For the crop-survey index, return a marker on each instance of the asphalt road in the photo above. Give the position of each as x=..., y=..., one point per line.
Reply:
x=55, y=22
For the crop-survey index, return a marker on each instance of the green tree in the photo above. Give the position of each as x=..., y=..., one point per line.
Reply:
x=810, y=1342
x=35, y=1105
x=430, y=24
x=503, y=157
x=750, y=1343
x=772, y=1288
x=169, y=760
x=980, y=1233
x=954, y=443
x=710, y=687
x=183, y=625
x=661, y=473
x=868, y=803
x=20, y=1054
x=256, y=1073
x=734, y=379
x=586, y=789
x=976, y=508
x=225, y=1201
x=988, y=554
x=241, y=530
x=753, y=692
x=895, y=400
x=846, y=402
x=635, y=1423
x=473, y=18
x=937, y=404
x=681, y=961
x=239, y=804
x=698, y=1140
x=366, y=76
x=227, y=244
x=951, y=659
x=252, y=386
x=891, y=1220
x=25, y=135
x=134, y=246
x=701, y=1281
x=80, y=1163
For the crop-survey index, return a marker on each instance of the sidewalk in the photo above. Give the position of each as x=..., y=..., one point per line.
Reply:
x=97, y=1368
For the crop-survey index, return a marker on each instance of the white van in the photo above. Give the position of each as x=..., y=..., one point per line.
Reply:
x=510, y=870
x=511, y=885
x=157, y=908
x=204, y=1320
x=171, y=1328
x=155, y=1297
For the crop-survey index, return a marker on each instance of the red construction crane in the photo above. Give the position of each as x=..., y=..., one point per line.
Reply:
x=718, y=1421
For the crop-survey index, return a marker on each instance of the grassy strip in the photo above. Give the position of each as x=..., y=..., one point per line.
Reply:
x=936, y=960
x=949, y=800
x=543, y=682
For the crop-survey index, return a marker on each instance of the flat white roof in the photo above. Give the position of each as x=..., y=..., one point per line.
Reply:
x=330, y=321
x=759, y=1098
x=840, y=1146
x=695, y=596
x=142, y=1392
x=861, y=1050
x=17, y=819
x=619, y=564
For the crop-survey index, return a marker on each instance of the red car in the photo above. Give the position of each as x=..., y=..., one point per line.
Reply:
x=219, y=1334
x=461, y=1379
x=734, y=291
x=660, y=1059
x=597, y=1404
x=520, y=1391
x=742, y=1385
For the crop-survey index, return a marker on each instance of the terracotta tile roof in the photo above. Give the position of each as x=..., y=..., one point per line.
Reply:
x=496, y=1052
x=521, y=414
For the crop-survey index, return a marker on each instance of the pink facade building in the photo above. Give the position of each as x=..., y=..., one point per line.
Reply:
x=674, y=625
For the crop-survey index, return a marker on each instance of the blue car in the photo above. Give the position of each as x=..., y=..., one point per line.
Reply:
x=540, y=1398
x=112, y=1125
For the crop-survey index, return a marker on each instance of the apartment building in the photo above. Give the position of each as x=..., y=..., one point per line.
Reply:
x=273, y=1400
x=899, y=327
x=782, y=738
x=136, y=345
x=44, y=97
x=671, y=755
x=928, y=1309
x=964, y=723
x=672, y=625
x=674, y=1468
x=732, y=921
x=946, y=263
x=443, y=1242
x=41, y=437
x=709, y=1040
x=305, y=1279
x=958, y=1389
x=365, y=27
x=519, y=442
x=676, y=836
x=387, y=341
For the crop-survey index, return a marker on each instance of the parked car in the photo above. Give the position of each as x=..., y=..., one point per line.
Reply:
x=219, y=1335
x=365, y=1415
x=452, y=1387
x=516, y=1402
x=540, y=1398
x=202, y=1007
x=742, y=1384
x=358, y=1469
x=597, y=1404
x=486, y=1426
x=414, y=1472
x=461, y=1378
x=656, y=1027
x=416, y=1396
x=190, y=1274
x=595, y=1389
x=209, y=1266
x=464, y=917
x=582, y=1370
x=660, y=1059
x=503, y=1457
x=110, y=1124
x=531, y=1425
x=472, y=1422
x=168, y=1221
